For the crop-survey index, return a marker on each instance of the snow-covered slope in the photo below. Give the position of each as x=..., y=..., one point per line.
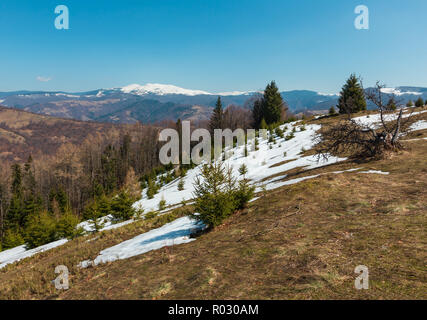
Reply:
x=19, y=253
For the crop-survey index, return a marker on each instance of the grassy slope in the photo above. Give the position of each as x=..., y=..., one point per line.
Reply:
x=297, y=242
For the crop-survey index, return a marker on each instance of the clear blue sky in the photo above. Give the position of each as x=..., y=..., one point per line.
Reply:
x=212, y=45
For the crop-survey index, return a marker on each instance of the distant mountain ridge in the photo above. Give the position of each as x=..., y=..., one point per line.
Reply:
x=155, y=102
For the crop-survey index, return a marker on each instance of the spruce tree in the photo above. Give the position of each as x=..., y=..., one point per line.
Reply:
x=245, y=192
x=181, y=185
x=270, y=107
x=272, y=104
x=41, y=230
x=15, y=217
x=214, y=199
x=216, y=120
x=352, y=96
x=419, y=103
x=94, y=215
x=121, y=206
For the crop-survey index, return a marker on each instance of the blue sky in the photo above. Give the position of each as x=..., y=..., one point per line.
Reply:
x=211, y=45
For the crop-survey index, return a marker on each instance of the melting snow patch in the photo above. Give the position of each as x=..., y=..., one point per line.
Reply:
x=419, y=125
x=374, y=120
x=19, y=253
x=173, y=233
x=375, y=171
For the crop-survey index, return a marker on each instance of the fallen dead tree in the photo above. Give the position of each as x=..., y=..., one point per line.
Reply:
x=366, y=140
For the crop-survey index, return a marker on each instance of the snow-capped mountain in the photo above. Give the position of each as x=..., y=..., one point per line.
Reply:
x=160, y=89
x=153, y=102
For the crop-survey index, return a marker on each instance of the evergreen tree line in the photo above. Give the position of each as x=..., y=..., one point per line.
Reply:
x=262, y=112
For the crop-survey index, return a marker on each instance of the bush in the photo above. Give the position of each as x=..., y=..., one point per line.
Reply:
x=121, y=206
x=41, y=230
x=290, y=136
x=245, y=192
x=419, y=103
x=162, y=204
x=214, y=199
x=151, y=215
x=153, y=188
x=279, y=132
x=93, y=213
x=12, y=239
x=181, y=185
x=66, y=226
x=217, y=196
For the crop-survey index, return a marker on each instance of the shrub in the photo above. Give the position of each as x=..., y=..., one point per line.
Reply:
x=279, y=132
x=162, y=204
x=245, y=192
x=419, y=103
x=93, y=214
x=218, y=195
x=151, y=215
x=181, y=185
x=41, y=230
x=290, y=136
x=153, y=188
x=121, y=206
x=214, y=199
x=66, y=227
x=12, y=239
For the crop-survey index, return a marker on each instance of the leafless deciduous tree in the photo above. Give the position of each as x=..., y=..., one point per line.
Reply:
x=367, y=140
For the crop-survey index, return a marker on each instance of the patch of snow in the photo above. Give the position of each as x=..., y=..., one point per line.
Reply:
x=419, y=125
x=375, y=171
x=416, y=139
x=374, y=120
x=19, y=253
x=173, y=233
